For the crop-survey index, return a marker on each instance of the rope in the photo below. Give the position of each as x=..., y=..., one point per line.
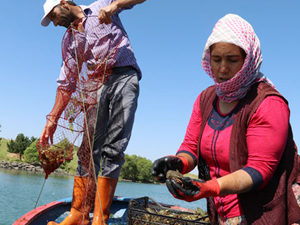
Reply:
x=91, y=144
x=40, y=193
x=84, y=110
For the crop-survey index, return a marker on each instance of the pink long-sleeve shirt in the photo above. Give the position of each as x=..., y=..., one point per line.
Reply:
x=266, y=139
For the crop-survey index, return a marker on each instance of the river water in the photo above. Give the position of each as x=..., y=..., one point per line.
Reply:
x=19, y=191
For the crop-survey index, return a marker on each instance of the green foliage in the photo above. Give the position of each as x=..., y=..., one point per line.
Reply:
x=69, y=166
x=20, y=144
x=0, y=137
x=3, y=149
x=11, y=146
x=66, y=146
x=144, y=170
x=136, y=168
x=31, y=154
x=129, y=169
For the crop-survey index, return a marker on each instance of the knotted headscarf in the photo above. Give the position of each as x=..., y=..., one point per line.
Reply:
x=235, y=30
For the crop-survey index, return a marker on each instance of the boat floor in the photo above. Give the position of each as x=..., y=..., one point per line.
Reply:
x=118, y=213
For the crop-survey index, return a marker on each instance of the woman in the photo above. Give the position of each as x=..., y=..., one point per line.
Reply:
x=239, y=135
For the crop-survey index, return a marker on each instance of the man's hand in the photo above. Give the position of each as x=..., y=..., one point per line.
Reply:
x=106, y=13
x=47, y=133
x=191, y=189
x=61, y=101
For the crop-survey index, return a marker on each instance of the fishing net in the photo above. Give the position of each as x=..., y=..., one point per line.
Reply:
x=89, y=50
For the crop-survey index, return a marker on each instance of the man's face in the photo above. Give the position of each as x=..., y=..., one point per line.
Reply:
x=60, y=16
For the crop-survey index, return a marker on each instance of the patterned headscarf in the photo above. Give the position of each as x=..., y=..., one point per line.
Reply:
x=235, y=30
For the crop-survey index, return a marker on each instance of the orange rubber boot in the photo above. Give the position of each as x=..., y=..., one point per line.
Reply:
x=79, y=214
x=106, y=189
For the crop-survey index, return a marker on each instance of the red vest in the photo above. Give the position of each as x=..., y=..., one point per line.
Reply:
x=275, y=203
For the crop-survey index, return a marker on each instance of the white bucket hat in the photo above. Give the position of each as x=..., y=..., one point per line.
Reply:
x=48, y=6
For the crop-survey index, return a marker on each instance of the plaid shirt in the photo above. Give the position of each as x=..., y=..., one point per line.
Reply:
x=84, y=50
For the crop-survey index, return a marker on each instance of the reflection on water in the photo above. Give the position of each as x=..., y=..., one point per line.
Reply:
x=19, y=191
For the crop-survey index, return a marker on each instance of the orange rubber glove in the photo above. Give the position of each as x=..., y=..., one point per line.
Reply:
x=193, y=189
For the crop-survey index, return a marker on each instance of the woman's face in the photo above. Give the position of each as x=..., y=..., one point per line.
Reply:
x=226, y=60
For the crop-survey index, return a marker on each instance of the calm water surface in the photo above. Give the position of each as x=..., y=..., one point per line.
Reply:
x=19, y=191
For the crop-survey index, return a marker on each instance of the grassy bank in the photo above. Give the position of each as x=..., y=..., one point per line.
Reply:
x=3, y=149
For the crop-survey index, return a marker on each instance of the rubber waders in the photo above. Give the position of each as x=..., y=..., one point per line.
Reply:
x=81, y=205
x=103, y=199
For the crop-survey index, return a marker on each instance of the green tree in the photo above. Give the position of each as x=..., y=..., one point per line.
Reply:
x=144, y=170
x=20, y=144
x=129, y=169
x=136, y=168
x=31, y=154
x=11, y=146
x=0, y=137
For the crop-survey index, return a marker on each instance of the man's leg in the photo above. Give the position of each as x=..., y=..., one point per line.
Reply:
x=117, y=106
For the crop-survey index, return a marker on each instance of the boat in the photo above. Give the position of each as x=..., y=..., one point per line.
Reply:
x=58, y=210
x=124, y=210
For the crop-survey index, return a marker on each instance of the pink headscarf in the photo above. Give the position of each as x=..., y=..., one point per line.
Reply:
x=235, y=30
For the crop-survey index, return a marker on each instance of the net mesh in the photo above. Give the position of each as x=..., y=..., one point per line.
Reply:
x=89, y=51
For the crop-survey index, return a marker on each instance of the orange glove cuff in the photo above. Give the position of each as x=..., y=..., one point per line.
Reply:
x=214, y=187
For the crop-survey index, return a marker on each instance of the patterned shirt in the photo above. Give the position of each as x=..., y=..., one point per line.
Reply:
x=84, y=50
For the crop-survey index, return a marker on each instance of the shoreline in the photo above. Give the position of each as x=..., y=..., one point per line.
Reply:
x=36, y=168
x=33, y=168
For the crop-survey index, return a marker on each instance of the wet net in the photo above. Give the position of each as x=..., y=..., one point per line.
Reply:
x=89, y=51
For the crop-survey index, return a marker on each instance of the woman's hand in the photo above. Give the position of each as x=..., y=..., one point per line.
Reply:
x=192, y=189
x=161, y=166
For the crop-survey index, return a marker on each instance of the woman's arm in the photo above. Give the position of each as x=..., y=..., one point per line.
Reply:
x=266, y=140
x=188, y=148
x=235, y=183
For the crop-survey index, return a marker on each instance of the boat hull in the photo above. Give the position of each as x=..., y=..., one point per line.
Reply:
x=58, y=210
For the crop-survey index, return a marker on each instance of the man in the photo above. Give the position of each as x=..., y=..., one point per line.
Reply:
x=95, y=46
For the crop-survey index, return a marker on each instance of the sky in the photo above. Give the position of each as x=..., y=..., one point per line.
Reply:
x=168, y=38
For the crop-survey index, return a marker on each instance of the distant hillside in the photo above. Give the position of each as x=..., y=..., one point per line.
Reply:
x=193, y=176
